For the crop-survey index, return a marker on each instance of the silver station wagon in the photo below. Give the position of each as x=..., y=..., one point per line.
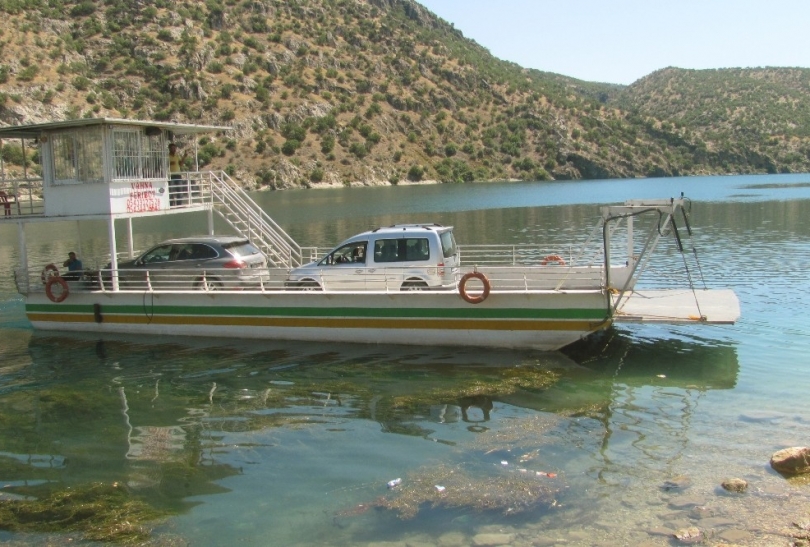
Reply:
x=204, y=263
x=399, y=257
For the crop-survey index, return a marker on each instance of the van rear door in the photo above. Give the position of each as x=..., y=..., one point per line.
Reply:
x=450, y=257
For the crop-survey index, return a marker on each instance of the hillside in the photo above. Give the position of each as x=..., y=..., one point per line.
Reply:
x=380, y=91
x=730, y=117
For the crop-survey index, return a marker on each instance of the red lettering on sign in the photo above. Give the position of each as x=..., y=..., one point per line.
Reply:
x=142, y=198
x=142, y=205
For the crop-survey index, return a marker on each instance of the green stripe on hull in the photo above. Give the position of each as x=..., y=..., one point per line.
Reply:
x=470, y=313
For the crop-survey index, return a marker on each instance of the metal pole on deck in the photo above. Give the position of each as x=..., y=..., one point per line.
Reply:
x=130, y=240
x=629, y=240
x=25, y=160
x=79, y=231
x=113, y=253
x=23, y=249
x=211, y=221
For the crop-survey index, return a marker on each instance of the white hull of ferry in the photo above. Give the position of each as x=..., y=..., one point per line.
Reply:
x=541, y=320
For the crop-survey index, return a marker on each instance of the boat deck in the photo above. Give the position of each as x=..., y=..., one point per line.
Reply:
x=716, y=306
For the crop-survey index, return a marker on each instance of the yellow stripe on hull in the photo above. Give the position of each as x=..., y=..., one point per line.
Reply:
x=331, y=323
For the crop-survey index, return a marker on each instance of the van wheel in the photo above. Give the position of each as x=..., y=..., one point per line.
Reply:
x=414, y=286
x=208, y=284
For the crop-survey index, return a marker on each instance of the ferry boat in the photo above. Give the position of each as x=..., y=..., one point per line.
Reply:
x=118, y=171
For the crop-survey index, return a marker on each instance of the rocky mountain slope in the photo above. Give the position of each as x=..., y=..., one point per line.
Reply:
x=381, y=91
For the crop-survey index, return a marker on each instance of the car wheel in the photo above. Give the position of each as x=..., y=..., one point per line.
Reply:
x=414, y=286
x=208, y=284
x=309, y=285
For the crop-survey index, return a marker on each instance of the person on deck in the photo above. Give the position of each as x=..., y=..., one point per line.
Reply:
x=74, y=266
x=176, y=187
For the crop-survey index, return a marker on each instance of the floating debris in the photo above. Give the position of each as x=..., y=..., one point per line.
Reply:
x=503, y=491
x=394, y=483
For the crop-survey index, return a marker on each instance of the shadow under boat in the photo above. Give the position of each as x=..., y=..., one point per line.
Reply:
x=369, y=378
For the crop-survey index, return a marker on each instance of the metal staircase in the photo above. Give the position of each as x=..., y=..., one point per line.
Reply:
x=233, y=204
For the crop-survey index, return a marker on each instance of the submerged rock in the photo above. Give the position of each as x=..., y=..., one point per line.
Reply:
x=735, y=485
x=691, y=534
x=792, y=461
x=492, y=540
x=680, y=482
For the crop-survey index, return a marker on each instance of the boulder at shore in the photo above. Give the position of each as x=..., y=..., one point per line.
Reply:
x=792, y=461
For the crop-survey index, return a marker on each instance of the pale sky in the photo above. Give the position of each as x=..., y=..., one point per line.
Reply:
x=620, y=41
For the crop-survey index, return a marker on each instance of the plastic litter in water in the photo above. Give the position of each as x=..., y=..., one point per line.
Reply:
x=394, y=483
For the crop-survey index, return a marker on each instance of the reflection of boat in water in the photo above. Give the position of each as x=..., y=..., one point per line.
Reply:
x=196, y=406
x=118, y=171
x=550, y=381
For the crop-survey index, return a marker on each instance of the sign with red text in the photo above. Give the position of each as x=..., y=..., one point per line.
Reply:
x=143, y=197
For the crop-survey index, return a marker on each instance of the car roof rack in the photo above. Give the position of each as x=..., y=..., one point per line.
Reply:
x=405, y=226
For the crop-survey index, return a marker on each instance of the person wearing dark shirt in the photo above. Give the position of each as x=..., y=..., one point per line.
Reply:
x=74, y=266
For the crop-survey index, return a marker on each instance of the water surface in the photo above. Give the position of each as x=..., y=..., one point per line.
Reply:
x=620, y=440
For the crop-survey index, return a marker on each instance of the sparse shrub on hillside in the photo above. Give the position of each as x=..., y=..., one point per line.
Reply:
x=290, y=146
x=327, y=143
x=358, y=149
x=415, y=173
x=83, y=9
x=28, y=73
x=316, y=175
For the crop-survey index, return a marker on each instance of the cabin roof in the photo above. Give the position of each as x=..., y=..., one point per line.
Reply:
x=32, y=131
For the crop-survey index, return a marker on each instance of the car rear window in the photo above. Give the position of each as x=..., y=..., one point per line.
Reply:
x=241, y=248
x=448, y=244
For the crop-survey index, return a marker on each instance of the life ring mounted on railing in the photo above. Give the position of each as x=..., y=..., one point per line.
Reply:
x=48, y=272
x=64, y=290
x=474, y=299
x=552, y=259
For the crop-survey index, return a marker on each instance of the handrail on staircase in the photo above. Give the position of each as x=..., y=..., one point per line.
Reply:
x=234, y=205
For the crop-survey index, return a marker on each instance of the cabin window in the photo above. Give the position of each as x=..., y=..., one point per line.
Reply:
x=137, y=155
x=77, y=157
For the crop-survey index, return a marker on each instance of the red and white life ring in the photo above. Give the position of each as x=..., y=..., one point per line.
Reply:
x=63, y=293
x=554, y=259
x=462, y=287
x=49, y=271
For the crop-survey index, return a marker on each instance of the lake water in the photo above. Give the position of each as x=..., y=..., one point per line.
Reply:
x=621, y=440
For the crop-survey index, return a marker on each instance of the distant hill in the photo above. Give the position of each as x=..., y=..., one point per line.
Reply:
x=381, y=91
x=730, y=120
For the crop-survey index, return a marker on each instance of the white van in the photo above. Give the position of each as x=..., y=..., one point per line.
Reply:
x=400, y=257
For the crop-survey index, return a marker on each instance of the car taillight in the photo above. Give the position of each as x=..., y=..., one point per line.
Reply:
x=238, y=264
x=440, y=269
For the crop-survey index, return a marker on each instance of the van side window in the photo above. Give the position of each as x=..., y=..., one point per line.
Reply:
x=401, y=250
